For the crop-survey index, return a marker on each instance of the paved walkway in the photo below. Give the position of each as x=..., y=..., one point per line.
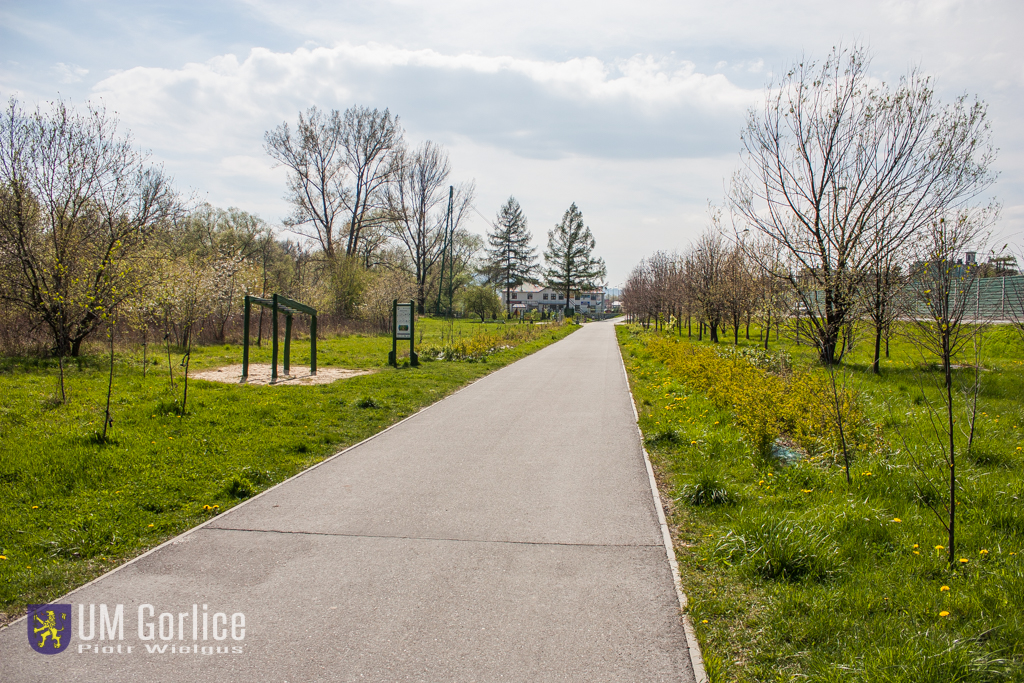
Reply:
x=507, y=533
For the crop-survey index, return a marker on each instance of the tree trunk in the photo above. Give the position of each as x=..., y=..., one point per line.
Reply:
x=952, y=451
x=875, y=367
x=188, y=358
x=110, y=388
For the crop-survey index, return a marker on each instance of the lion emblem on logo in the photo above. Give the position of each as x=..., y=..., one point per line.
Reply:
x=46, y=627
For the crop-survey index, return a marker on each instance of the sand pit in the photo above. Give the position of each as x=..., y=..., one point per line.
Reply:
x=259, y=373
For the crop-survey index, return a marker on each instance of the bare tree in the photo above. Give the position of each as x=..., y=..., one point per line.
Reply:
x=417, y=209
x=314, y=156
x=338, y=167
x=637, y=300
x=737, y=289
x=705, y=278
x=369, y=141
x=772, y=293
x=78, y=204
x=943, y=284
x=837, y=170
x=880, y=295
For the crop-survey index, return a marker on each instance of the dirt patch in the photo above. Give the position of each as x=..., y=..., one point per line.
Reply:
x=259, y=373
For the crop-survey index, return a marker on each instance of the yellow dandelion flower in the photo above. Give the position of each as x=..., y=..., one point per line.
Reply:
x=917, y=552
x=944, y=588
x=150, y=526
x=693, y=443
x=943, y=613
x=916, y=546
x=983, y=552
x=3, y=557
x=716, y=423
x=35, y=507
x=897, y=520
x=964, y=560
x=703, y=621
x=939, y=547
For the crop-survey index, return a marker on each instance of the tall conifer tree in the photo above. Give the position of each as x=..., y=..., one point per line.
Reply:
x=511, y=260
x=571, y=264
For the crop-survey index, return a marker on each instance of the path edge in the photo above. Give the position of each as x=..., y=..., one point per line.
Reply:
x=176, y=539
x=696, y=658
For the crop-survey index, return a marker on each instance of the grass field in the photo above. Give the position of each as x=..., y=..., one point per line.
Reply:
x=793, y=574
x=72, y=508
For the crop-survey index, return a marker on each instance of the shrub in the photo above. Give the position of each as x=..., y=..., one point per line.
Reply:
x=484, y=342
x=706, y=490
x=766, y=404
x=779, y=548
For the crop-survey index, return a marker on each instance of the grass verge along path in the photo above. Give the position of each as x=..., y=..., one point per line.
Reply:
x=791, y=573
x=72, y=508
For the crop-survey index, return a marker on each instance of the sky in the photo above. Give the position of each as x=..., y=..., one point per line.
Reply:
x=631, y=110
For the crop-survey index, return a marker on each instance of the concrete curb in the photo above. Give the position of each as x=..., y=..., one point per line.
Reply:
x=696, y=659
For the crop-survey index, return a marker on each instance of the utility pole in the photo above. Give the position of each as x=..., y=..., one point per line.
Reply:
x=447, y=253
x=451, y=250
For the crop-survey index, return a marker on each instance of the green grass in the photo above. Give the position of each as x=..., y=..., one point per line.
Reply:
x=794, y=575
x=72, y=508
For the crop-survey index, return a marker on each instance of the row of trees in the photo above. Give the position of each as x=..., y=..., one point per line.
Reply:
x=91, y=230
x=856, y=202
x=353, y=179
x=845, y=183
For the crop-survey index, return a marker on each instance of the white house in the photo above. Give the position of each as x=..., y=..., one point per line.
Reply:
x=534, y=297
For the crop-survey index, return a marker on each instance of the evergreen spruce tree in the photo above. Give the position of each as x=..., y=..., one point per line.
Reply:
x=511, y=260
x=571, y=265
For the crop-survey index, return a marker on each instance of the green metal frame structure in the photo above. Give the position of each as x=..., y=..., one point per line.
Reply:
x=289, y=307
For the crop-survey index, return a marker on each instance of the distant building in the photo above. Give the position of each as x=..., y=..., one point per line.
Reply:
x=537, y=298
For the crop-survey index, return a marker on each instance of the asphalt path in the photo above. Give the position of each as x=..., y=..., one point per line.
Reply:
x=506, y=533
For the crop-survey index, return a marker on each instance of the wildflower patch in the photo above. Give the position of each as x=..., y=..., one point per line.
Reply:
x=768, y=399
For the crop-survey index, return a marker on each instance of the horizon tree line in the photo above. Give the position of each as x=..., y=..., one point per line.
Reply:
x=93, y=234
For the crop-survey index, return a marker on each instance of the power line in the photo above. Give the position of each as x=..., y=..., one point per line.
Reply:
x=488, y=220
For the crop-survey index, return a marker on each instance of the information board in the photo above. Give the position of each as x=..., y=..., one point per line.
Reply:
x=403, y=321
x=403, y=327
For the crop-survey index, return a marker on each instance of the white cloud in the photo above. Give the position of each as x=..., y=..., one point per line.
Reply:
x=556, y=100
x=207, y=101
x=69, y=73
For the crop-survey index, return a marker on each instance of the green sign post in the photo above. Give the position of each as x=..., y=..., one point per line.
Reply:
x=403, y=326
x=279, y=304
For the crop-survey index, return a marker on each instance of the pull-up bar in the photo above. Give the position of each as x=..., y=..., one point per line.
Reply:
x=288, y=307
